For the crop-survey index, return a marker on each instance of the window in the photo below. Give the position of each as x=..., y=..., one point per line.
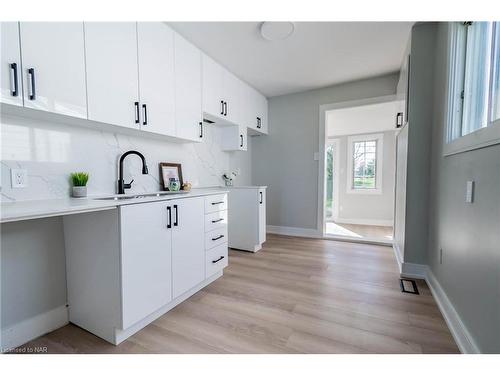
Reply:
x=365, y=164
x=474, y=92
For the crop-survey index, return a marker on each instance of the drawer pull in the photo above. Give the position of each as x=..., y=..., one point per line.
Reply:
x=218, y=237
x=216, y=221
x=221, y=257
x=214, y=203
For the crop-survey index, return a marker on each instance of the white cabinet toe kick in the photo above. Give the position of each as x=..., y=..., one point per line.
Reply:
x=127, y=267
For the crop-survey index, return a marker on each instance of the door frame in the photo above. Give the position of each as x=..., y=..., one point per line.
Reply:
x=321, y=227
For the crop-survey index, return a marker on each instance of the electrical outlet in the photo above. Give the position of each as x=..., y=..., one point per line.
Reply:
x=441, y=256
x=19, y=178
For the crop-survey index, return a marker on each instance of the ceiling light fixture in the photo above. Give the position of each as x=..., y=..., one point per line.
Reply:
x=276, y=30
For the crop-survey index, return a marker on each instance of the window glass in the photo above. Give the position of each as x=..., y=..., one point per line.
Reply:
x=495, y=97
x=476, y=81
x=364, y=165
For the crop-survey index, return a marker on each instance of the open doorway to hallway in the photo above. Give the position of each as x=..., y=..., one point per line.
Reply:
x=360, y=172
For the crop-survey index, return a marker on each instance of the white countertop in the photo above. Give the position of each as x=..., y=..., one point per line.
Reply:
x=36, y=209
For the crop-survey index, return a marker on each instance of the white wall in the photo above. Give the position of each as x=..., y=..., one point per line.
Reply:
x=377, y=209
x=284, y=160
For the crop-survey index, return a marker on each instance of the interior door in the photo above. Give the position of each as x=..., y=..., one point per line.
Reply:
x=146, y=259
x=187, y=89
x=112, y=77
x=10, y=69
x=188, y=244
x=53, y=55
x=156, y=77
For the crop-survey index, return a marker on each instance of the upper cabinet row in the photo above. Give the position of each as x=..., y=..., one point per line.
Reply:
x=142, y=76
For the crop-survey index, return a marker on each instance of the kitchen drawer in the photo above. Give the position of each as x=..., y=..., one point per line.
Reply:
x=215, y=237
x=214, y=203
x=216, y=260
x=215, y=220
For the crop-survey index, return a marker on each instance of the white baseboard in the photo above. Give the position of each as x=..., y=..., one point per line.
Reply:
x=414, y=271
x=29, y=329
x=293, y=231
x=380, y=223
x=459, y=331
x=397, y=254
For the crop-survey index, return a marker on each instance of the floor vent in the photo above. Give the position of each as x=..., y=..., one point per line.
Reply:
x=408, y=286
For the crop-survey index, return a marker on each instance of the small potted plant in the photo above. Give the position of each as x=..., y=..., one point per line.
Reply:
x=79, y=180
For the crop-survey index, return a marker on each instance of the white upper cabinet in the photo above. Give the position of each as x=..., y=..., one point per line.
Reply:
x=188, y=244
x=112, y=74
x=233, y=91
x=156, y=77
x=54, y=67
x=213, y=93
x=188, y=112
x=234, y=138
x=11, y=70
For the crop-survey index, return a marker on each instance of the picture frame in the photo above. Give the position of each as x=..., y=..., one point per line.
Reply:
x=168, y=171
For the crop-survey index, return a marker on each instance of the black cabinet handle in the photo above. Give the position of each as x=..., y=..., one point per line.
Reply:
x=176, y=223
x=145, y=114
x=218, y=237
x=399, y=120
x=13, y=68
x=241, y=137
x=222, y=107
x=169, y=220
x=217, y=221
x=214, y=203
x=215, y=261
x=137, y=113
x=201, y=129
x=260, y=192
x=259, y=124
x=32, y=92
x=225, y=108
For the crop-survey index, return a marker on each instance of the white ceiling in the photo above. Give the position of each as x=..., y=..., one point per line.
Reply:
x=317, y=54
x=361, y=120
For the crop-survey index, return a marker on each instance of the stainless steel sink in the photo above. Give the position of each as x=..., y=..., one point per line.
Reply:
x=152, y=195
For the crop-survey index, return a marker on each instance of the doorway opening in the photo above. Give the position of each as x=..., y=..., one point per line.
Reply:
x=359, y=171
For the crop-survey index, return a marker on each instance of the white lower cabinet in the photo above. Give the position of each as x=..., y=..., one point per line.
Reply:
x=247, y=218
x=128, y=266
x=187, y=244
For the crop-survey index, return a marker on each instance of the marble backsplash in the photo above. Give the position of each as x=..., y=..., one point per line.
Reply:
x=50, y=152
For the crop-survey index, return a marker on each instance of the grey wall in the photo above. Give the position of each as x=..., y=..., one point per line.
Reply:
x=284, y=160
x=33, y=269
x=469, y=234
x=369, y=207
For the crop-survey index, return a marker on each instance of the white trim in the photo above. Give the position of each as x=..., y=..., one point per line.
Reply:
x=321, y=145
x=379, y=138
x=398, y=255
x=293, y=231
x=29, y=329
x=336, y=177
x=459, y=331
x=480, y=138
x=376, y=222
x=414, y=270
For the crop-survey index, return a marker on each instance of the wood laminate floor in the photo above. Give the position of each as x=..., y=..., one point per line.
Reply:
x=373, y=232
x=294, y=296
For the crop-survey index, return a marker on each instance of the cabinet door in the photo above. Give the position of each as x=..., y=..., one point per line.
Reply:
x=156, y=77
x=232, y=93
x=53, y=55
x=187, y=89
x=234, y=138
x=213, y=96
x=112, y=77
x=146, y=268
x=188, y=244
x=262, y=216
x=10, y=70
x=263, y=114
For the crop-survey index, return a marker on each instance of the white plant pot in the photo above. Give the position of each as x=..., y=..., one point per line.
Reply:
x=79, y=191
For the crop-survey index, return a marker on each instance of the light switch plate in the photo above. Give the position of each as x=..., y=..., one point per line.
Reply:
x=469, y=193
x=316, y=156
x=19, y=178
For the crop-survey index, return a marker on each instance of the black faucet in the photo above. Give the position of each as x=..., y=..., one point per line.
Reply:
x=121, y=184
